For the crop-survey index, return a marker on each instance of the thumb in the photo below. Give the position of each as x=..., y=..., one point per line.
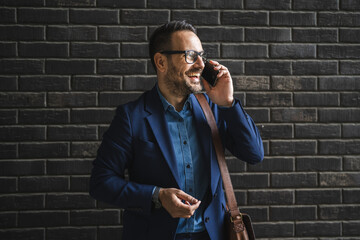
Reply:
x=186, y=197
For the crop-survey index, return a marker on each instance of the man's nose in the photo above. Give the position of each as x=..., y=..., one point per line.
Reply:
x=200, y=62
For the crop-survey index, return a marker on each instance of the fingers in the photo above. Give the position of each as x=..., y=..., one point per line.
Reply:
x=186, y=197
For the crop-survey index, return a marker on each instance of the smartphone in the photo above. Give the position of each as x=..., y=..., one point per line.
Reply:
x=209, y=74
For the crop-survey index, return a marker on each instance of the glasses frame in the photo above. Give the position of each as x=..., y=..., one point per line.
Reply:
x=186, y=52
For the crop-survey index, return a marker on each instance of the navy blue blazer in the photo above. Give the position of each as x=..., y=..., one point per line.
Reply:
x=138, y=141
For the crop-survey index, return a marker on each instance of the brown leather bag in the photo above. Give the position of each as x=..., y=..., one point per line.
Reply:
x=237, y=225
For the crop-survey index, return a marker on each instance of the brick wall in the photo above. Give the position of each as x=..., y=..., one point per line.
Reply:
x=66, y=64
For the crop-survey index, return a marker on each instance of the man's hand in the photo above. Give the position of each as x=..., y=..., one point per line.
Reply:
x=222, y=93
x=178, y=203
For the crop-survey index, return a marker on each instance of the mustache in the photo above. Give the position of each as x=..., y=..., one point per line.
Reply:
x=194, y=71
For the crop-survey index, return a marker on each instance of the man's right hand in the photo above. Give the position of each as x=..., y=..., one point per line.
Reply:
x=178, y=203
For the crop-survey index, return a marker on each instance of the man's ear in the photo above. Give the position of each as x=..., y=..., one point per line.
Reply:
x=160, y=62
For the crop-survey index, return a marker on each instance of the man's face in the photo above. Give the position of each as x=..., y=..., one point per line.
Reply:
x=183, y=78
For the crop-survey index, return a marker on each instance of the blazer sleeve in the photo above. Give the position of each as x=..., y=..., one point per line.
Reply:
x=107, y=181
x=240, y=134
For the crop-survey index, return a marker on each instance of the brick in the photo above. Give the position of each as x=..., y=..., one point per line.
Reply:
x=44, y=83
x=349, y=35
x=267, y=35
x=135, y=50
x=267, y=68
x=140, y=83
x=171, y=4
x=95, y=50
x=317, y=131
x=240, y=96
x=43, y=184
x=115, y=99
x=318, y=196
x=271, y=197
x=85, y=116
x=294, y=147
x=72, y=233
x=293, y=115
x=7, y=15
x=71, y=33
x=30, y=234
x=293, y=51
x=71, y=3
x=120, y=33
x=121, y=4
x=350, y=5
x=121, y=66
x=293, y=83
x=234, y=66
x=259, y=115
x=141, y=17
x=22, y=202
x=96, y=83
x=339, y=19
x=273, y=164
x=7, y=220
x=248, y=181
x=268, y=99
x=234, y=165
x=212, y=50
x=94, y=16
x=7, y=49
x=244, y=51
x=8, y=185
x=315, y=68
x=22, y=33
x=339, y=83
x=293, y=213
x=250, y=83
x=79, y=183
x=8, y=83
x=8, y=150
x=72, y=133
x=221, y=34
x=87, y=149
x=351, y=228
x=69, y=201
x=318, y=229
x=290, y=180
x=8, y=117
x=72, y=99
x=22, y=133
x=347, y=67
x=43, y=219
x=68, y=167
x=316, y=99
x=70, y=66
x=17, y=99
x=338, y=51
x=316, y=35
x=318, y=164
x=350, y=99
x=240, y=197
x=43, y=150
x=248, y=18
x=339, y=115
x=292, y=19
x=22, y=3
x=21, y=66
x=16, y=168
x=342, y=179
x=226, y=4
x=95, y=217
x=351, y=163
x=43, y=49
x=268, y=5
x=339, y=212
x=265, y=230
x=257, y=213
x=335, y=147
x=315, y=5
x=351, y=195
x=42, y=15
x=43, y=116
x=276, y=131
x=197, y=17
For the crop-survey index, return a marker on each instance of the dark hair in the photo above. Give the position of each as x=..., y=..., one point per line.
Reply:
x=161, y=37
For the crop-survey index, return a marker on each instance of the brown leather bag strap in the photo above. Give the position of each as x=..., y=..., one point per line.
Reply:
x=229, y=191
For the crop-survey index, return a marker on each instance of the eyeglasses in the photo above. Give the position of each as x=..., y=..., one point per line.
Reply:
x=190, y=55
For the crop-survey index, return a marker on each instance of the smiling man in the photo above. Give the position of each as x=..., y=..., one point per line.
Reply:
x=174, y=190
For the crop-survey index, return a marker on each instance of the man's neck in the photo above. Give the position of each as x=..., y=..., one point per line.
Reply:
x=176, y=101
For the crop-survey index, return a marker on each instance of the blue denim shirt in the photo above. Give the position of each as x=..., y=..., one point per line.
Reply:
x=189, y=158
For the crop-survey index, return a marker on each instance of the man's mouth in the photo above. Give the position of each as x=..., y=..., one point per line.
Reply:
x=195, y=77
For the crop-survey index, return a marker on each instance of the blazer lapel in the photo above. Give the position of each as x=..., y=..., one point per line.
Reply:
x=158, y=124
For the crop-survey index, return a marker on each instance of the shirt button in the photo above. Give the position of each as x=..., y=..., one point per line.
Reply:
x=188, y=166
x=185, y=142
x=190, y=190
x=207, y=219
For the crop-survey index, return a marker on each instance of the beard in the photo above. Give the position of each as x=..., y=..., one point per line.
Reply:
x=179, y=84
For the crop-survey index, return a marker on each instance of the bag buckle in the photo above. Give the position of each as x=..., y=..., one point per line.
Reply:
x=238, y=217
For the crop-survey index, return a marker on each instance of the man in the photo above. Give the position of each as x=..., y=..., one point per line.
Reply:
x=174, y=190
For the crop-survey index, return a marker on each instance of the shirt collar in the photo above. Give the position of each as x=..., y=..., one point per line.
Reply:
x=167, y=105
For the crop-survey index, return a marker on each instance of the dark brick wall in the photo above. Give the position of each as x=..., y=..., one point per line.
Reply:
x=66, y=64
